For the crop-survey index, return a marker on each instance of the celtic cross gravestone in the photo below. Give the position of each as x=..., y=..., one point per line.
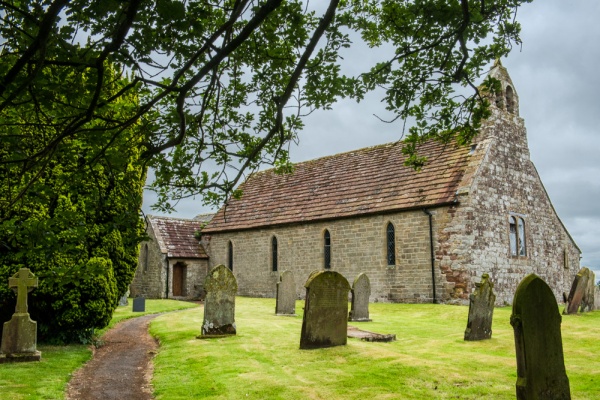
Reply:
x=19, y=335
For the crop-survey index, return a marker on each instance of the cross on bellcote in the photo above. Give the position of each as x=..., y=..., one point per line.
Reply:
x=24, y=281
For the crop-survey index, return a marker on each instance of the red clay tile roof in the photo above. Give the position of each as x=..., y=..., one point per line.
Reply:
x=366, y=181
x=175, y=236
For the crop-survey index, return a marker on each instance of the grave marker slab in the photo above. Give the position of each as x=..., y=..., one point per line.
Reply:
x=588, y=299
x=325, y=321
x=139, y=304
x=577, y=292
x=219, y=305
x=361, y=291
x=19, y=335
x=540, y=363
x=286, y=294
x=123, y=301
x=481, y=310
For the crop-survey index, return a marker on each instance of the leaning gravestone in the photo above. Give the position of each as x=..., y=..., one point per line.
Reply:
x=219, y=305
x=19, y=335
x=286, y=294
x=361, y=291
x=577, y=292
x=536, y=322
x=589, y=293
x=325, y=321
x=481, y=310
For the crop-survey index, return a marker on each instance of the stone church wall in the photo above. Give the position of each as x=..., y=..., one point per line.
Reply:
x=357, y=245
x=195, y=274
x=506, y=183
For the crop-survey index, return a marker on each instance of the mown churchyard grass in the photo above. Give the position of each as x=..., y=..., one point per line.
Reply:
x=47, y=379
x=430, y=359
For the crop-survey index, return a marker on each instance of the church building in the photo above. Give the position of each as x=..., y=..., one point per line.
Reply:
x=420, y=236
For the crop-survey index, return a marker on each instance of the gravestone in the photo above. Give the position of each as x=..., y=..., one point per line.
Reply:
x=325, y=321
x=219, y=305
x=589, y=293
x=286, y=294
x=123, y=301
x=536, y=322
x=577, y=292
x=359, y=307
x=481, y=310
x=19, y=335
x=139, y=304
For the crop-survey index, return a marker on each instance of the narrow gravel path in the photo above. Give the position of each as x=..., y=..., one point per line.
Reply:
x=121, y=368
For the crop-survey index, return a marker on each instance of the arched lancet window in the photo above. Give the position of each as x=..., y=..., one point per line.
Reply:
x=391, y=244
x=327, y=249
x=510, y=100
x=512, y=223
x=274, y=259
x=145, y=257
x=230, y=256
x=517, y=236
x=521, y=243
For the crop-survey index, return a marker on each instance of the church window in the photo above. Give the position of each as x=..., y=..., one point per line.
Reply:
x=517, y=238
x=327, y=249
x=512, y=222
x=391, y=244
x=510, y=100
x=521, y=237
x=145, y=257
x=274, y=259
x=230, y=255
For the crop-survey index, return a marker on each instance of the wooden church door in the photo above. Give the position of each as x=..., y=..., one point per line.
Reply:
x=178, y=279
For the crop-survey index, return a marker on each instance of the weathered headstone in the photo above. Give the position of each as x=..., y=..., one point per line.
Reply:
x=219, y=305
x=577, y=292
x=536, y=322
x=481, y=310
x=361, y=291
x=286, y=294
x=19, y=335
x=325, y=321
x=123, y=301
x=139, y=304
x=589, y=294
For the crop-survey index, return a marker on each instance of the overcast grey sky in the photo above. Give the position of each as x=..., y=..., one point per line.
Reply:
x=556, y=76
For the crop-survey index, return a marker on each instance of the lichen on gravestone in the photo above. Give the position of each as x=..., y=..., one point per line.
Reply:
x=325, y=320
x=481, y=310
x=219, y=304
x=536, y=321
x=578, y=291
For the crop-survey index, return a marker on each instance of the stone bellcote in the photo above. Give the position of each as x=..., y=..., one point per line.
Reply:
x=507, y=100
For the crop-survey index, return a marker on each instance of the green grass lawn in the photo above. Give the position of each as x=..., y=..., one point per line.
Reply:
x=429, y=360
x=47, y=379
